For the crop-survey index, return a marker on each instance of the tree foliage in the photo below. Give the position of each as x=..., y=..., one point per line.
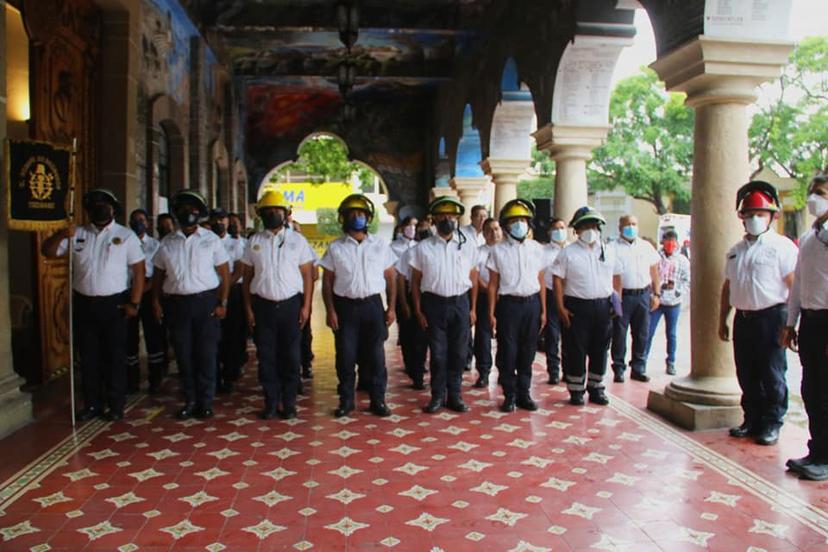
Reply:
x=790, y=136
x=542, y=185
x=325, y=159
x=649, y=148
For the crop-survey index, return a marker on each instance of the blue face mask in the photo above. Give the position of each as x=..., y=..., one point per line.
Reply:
x=357, y=223
x=519, y=229
x=559, y=235
x=630, y=232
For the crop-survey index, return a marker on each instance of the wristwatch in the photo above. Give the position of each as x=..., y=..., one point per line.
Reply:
x=133, y=305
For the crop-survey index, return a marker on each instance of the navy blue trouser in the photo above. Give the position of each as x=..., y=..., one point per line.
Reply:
x=195, y=333
x=483, y=337
x=153, y=341
x=232, y=349
x=278, y=348
x=413, y=343
x=307, y=343
x=671, y=316
x=100, y=331
x=360, y=338
x=761, y=365
x=588, y=337
x=518, y=326
x=448, y=338
x=813, y=353
x=552, y=335
x=636, y=317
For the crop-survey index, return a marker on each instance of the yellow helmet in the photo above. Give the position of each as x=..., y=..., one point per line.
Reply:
x=273, y=198
x=517, y=208
x=356, y=201
x=446, y=205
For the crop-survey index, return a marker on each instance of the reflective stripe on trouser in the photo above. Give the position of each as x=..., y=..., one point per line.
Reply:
x=588, y=337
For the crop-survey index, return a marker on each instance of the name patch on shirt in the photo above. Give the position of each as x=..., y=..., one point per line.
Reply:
x=256, y=247
x=116, y=241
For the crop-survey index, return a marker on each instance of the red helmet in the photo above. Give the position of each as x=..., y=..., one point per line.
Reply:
x=757, y=200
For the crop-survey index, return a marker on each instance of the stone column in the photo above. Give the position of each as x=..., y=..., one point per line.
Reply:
x=505, y=173
x=15, y=406
x=469, y=189
x=720, y=77
x=570, y=147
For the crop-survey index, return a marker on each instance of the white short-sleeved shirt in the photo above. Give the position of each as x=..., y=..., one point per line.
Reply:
x=550, y=252
x=446, y=265
x=756, y=270
x=399, y=246
x=634, y=260
x=472, y=234
x=276, y=259
x=359, y=266
x=403, y=264
x=149, y=246
x=810, y=289
x=190, y=261
x=101, y=258
x=518, y=264
x=585, y=275
x=483, y=258
x=234, y=248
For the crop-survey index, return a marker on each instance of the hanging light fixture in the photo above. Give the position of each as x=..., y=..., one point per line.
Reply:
x=346, y=76
x=347, y=19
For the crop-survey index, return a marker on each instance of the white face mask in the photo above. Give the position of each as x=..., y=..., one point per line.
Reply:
x=817, y=205
x=756, y=225
x=589, y=236
x=559, y=235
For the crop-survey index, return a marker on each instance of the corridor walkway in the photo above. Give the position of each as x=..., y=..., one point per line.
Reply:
x=562, y=478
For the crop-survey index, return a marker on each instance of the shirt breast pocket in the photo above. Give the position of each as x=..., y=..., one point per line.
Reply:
x=343, y=265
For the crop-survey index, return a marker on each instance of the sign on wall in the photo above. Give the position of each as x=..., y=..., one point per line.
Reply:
x=757, y=19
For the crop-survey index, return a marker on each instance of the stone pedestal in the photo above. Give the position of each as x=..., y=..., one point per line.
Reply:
x=469, y=189
x=570, y=147
x=440, y=191
x=720, y=77
x=505, y=173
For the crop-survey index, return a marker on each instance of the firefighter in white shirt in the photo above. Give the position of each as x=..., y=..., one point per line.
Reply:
x=809, y=302
x=104, y=254
x=482, y=327
x=474, y=230
x=192, y=273
x=517, y=302
x=552, y=330
x=444, y=270
x=277, y=291
x=640, y=294
x=583, y=274
x=153, y=331
x=758, y=276
x=358, y=267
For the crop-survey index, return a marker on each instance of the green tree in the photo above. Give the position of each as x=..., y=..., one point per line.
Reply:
x=542, y=185
x=649, y=148
x=325, y=159
x=790, y=135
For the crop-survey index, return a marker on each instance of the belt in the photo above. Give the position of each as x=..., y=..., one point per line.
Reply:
x=584, y=301
x=277, y=303
x=358, y=301
x=519, y=298
x=99, y=297
x=814, y=313
x=760, y=312
x=441, y=299
x=640, y=291
x=198, y=295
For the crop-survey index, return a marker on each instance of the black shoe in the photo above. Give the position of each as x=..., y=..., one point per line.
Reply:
x=639, y=376
x=744, y=430
x=133, y=388
x=618, y=377
x=288, y=413
x=814, y=472
x=418, y=385
x=307, y=372
x=154, y=389
x=344, y=408
x=433, y=406
x=380, y=409
x=187, y=412
x=526, y=403
x=270, y=412
x=599, y=398
x=456, y=404
x=796, y=464
x=671, y=369
x=508, y=405
x=554, y=379
x=204, y=413
x=481, y=383
x=86, y=414
x=300, y=389
x=576, y=399
x=114, y=415
x=768, y=437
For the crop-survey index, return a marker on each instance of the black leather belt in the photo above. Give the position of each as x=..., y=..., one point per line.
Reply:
x=760, y=312
x=358, y=301
x=519, y=298
x=440, y=299
x=193, y=295
x=641, y=291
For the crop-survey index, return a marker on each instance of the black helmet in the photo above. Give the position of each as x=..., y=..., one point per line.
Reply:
x=190, y=197
x=102, y=194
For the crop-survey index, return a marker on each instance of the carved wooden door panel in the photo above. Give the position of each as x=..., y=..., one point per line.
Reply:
x=65, y=40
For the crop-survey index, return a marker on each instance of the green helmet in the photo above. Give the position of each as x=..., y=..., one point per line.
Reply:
x=586, y=214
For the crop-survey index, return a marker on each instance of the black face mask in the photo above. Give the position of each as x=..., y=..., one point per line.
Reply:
x=273, y=220
x=423, y=235
x=100, y=214
x=138, y=227
x=162, y=232
x=446, y=227
x=233, y=230
x=186, y=218
x=218, y=228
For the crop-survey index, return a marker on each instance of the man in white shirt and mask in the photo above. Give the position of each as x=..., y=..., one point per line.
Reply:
x=552, y=331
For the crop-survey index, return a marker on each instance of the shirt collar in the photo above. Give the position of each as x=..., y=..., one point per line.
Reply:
x=366, y=239
x=95, y=230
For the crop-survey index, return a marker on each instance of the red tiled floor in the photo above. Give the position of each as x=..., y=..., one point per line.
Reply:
x=562, y=478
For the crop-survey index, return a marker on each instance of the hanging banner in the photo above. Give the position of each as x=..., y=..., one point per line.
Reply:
x=39, y=179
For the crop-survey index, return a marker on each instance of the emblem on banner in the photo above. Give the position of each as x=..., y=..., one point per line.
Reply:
x=39, y=176
x=42, y=177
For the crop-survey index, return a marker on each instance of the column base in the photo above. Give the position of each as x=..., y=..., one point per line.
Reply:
x=15, y=405
x=693, y=416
